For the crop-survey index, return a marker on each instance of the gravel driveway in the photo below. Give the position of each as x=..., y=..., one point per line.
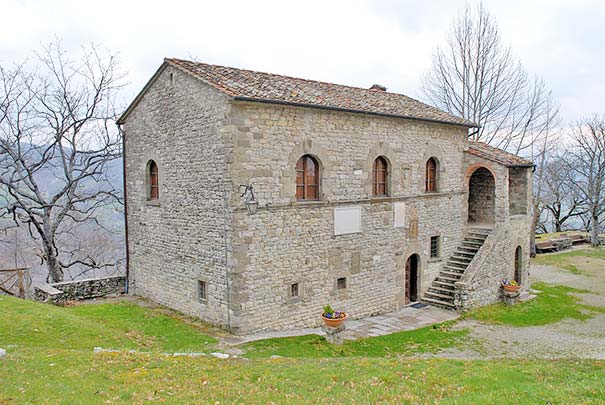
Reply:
x=569, y=338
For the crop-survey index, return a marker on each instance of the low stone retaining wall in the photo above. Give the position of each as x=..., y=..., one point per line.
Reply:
x=80, y=289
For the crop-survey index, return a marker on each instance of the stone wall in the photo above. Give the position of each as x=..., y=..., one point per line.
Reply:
x=517, y=184
x=482, y=197
x=290, y=242
x=480, y=284
x=184, y=237
x=206, y=146
x=80, y=289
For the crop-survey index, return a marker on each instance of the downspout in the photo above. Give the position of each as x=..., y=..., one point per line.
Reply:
x=226, y=232
x=125, y=206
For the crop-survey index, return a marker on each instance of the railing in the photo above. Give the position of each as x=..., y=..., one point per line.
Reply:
x=15, y=281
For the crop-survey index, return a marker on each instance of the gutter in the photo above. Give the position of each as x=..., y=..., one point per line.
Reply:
x=349, y=110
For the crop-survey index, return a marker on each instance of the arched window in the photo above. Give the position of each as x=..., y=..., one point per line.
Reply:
x=431, y=176
x=380, y=177
x=518, y=264
x=153, y=188
x=307, y=179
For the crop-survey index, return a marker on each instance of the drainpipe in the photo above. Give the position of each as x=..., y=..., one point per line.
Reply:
x=125, y=206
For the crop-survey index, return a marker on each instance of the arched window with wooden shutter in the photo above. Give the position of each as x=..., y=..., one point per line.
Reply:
x=153, y=186
x=431, y=176
x=307, y=179
x=380, y=173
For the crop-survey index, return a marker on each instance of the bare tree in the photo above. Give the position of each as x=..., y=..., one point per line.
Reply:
x=561, y=200
x=476, y=77
x=57, y=138
x=586, y=169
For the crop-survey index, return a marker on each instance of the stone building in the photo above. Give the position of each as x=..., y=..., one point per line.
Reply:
x=361, y=198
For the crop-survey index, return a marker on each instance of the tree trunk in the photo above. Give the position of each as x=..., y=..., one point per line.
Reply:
x=594, y=228
x=55, y=272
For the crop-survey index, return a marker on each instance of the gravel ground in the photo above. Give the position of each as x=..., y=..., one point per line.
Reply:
x=569, y=338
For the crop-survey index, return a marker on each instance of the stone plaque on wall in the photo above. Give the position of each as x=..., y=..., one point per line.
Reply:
x=399, y=214
x=347, y=220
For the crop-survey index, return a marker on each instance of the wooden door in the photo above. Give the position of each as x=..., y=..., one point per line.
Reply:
x=408, y=279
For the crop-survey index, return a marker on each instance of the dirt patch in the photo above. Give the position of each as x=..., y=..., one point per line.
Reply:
x=569, y=338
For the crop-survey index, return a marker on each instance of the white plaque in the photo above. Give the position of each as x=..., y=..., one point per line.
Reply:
x=399, y=214
x=347, y=220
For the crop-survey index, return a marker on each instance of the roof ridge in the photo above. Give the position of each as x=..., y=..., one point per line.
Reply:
x=295, y=77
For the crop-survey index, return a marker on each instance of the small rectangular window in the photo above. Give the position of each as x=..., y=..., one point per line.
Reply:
x=341, y=283
x=201, y=291
x=434, y=246
x=294, y=290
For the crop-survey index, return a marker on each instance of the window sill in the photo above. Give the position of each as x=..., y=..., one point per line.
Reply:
x=152, y=203
x=435, y=260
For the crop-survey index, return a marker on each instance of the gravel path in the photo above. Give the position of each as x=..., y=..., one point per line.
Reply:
x=569, y=338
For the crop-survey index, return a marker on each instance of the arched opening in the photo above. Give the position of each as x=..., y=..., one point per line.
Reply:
x=518, y=264
x=307, y=178
x=152, y=180
x=380, y=177
x=482, y=197
x=430, y=181
x=411, y=278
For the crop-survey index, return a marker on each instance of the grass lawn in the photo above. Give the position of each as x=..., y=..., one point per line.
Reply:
x=57, y=376
x=428, y=339
x=123, y=325
x=569, y=260
x=50, y=359
x=553, y=304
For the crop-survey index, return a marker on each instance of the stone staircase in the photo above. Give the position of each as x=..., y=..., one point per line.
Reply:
x=441, y=291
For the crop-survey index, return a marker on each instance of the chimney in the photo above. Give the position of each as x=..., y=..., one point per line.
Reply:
x=378, y=87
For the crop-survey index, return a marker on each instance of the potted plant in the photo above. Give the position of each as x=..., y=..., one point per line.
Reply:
x=333, y=318
x=510, y=286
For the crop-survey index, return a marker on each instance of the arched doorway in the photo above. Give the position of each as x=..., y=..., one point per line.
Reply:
x=411, y=278
x=518, y=264
x=481, y=197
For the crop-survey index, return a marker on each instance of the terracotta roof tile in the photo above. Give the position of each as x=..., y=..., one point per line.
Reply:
x=265, y=87
x=497, y=155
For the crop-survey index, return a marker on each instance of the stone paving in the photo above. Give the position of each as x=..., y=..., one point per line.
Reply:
x=408, y=318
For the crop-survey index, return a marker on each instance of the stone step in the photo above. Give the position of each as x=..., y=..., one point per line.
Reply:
x=454, y=269
x=470, y=249
x=455, y=263
x=474, y=239
x=471, y=243
x=450, y=274
x=438, y=303
x=444, y=284
x=478, y=234
x=484, y=231
x=462, y=259
x=440, y=290
x=439, y=296
x=464, y=254
x=447, y=279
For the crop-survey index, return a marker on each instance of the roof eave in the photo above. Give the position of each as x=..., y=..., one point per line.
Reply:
x=350, y=110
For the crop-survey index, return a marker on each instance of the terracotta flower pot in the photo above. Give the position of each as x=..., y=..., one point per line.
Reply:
x=511, y=288
x=334, y=323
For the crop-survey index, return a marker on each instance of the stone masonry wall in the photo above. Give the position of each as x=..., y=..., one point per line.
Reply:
x=80, y=289
x=481, y=197
x=183, y=237
x=480, y=284
x=293, y=242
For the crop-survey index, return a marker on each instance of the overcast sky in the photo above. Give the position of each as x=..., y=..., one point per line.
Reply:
x=350, y=42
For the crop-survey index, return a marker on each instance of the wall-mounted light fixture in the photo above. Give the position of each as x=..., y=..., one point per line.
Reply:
x=249, y=199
